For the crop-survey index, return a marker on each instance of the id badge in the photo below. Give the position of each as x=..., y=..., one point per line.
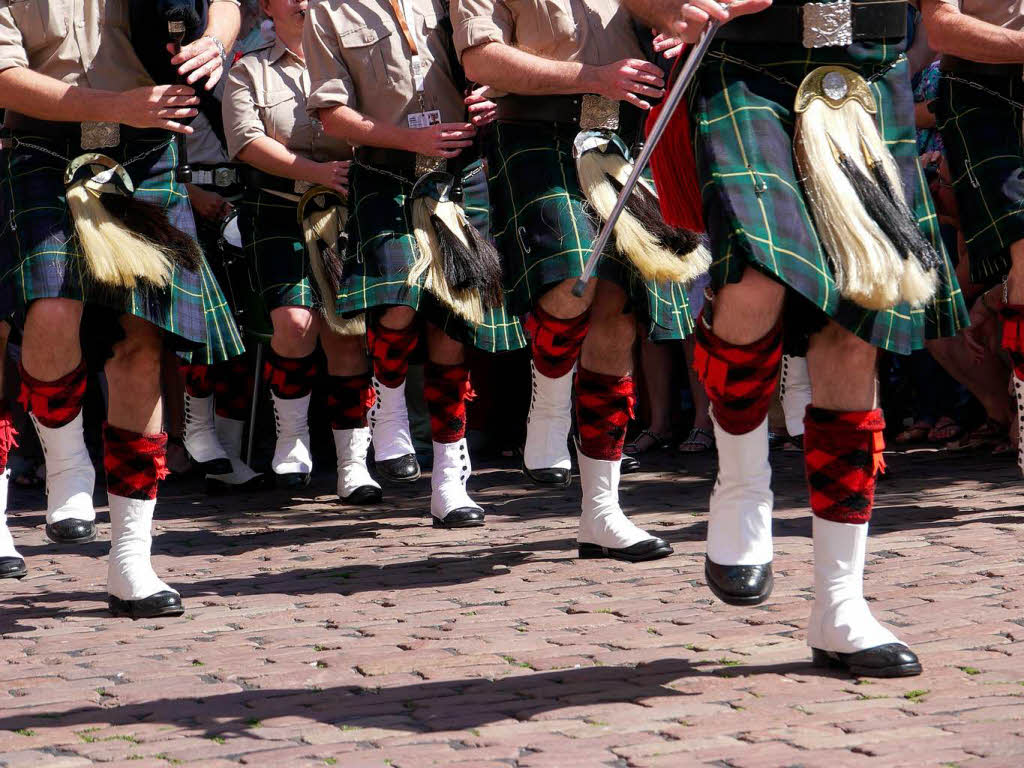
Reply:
x=425, y=119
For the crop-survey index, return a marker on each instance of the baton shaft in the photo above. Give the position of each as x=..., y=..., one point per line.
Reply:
x=686, y=75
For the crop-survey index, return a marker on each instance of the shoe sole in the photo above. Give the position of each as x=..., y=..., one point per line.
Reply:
x=467, y=524
x=546, y=483
x=15, y=574
x=363, y=496
x=119, y=607
x=730, y=599
x=595, y=552
x=294, y=481
x=822, y=659
x=397, y=480
x=84, y=540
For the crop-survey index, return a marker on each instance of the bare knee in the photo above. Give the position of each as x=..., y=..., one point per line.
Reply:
x=608, y=347
x=295, y=331
x=443, y=349
x=55, y=320
x=746, y=311
x=137, y=358
x=398, y=317
x=560, y=302
x=346, y=355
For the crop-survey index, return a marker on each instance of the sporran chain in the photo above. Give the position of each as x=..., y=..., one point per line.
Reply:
x=786, y=81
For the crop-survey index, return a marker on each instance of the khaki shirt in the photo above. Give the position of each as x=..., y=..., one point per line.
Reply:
x=266, y=96
x=358, y=57
x=1002, y=13
x=79, y=42
x=593, y=32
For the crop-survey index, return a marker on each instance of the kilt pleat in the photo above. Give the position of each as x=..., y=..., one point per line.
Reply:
x=754, y=205
x=545, y=234
x=382, y=249
x=274, y=244
x=985, y=152
x=39, y=256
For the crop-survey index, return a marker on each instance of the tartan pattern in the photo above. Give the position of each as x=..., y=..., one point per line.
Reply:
x=198, y=380
x=556, y=342
x=135, y=464
x=985, y=152
x=289, y=378
x=604, y=406
x=274, y=244
x=446, y=389
x=842, y=455
x=1013, y=336
x=232, y=387
x=545, y=234
x=53, y=403
x=349, y=399
x=382, y=248
x=739, y=378
x=7, y=433
x=390, y=349
x=754, y=206
x=39, y=255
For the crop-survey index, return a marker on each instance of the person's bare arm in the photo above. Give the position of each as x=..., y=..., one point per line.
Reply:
x=957, y=34
x=444, y=140
x=202, y=58
x=509, y=69
x=275, y=158
x=46, y=98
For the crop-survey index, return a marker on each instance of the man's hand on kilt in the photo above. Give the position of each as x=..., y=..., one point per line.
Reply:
x=628, y=80
x=158, y=106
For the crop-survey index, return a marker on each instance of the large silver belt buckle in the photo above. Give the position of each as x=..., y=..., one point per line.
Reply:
x=827, y=25
x=100, y=135
x=223, y=177
x=597, y=112
x=427, y=164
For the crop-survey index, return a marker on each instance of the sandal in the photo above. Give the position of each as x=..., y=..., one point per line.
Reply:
x=988, y=434
x=914, y=434
x=945, y=429
x=645, y=441
x=698, y=441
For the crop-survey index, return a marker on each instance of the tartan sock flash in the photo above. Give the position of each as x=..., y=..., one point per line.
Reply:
x=1013, y=336
x=349, y=399
x=390, y=349
x=604, y=406
x=7, y=434
x=739, y=378
x=446, y=389
x=556, y=342
x=842, y=455
x=290, y=377
x=134, y=463
x=53, y=403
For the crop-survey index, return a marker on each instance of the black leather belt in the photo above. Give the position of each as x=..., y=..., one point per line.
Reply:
x=410, y=165
x=571, y=110
x=821, y=25
x=960, y=66
x=256, y=179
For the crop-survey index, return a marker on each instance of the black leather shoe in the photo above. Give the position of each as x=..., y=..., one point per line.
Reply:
x=160, y=604
x=404, y=469
x=552, y=477
x=12, y=568
x=628, y=464
x=216, y=487
x=463, y=517
x=648, y=549
x=71, y=531
x=215, y=466
x=889, y=660
x=739, y=584
x=364, y=494
x=294, y=481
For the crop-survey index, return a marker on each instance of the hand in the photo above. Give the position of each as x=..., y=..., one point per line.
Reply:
x=199, y=59
x=158, y=106
x=689, y=20
x=443, y=140
x=334, y=175
x=208, y=205
x=668, y=46
x=984, y=323
x=481, y=110
x=628, y=79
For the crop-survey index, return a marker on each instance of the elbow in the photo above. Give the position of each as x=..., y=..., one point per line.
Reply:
x=474, y=64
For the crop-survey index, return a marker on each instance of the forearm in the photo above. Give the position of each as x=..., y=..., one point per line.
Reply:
x=360, y=130
x=951, y=32
x=224, y=20
x=275, y=158
x=46, y=98
x=509, y=69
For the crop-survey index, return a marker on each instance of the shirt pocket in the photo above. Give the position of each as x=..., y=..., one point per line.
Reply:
x=277, y=110
x=42, y=23
x=369, y=56
x=543, y=25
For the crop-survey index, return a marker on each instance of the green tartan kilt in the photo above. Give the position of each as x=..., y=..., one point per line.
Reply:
x=985, y=152
x=382, y=249
x=545, y=234
x=754, y=206
x=39, y=256
x=274, y=245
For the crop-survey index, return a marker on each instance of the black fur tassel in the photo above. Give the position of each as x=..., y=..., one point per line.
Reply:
x=333, y=268
x=476, y=268
x=150, y=221
x=645, y=208
x=489, y=260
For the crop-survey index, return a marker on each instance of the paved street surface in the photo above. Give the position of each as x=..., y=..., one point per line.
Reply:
x=316, y=634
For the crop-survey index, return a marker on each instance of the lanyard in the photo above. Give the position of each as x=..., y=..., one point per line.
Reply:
x=403, y=12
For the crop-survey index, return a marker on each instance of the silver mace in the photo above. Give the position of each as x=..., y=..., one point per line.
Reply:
x=686, y=75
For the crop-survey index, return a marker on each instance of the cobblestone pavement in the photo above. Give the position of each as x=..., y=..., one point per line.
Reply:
x=322, y=635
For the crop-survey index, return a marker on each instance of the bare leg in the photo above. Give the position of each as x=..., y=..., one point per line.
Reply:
x=50, y=344
x=133, y=375
x=656, y=360
x=295, y=331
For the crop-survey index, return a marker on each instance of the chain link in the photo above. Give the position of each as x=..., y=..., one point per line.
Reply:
x=786, y=81
x=18, y=142
x=987, y=91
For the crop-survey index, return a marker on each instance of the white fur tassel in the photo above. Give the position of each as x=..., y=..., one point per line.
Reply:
x=327, y=225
